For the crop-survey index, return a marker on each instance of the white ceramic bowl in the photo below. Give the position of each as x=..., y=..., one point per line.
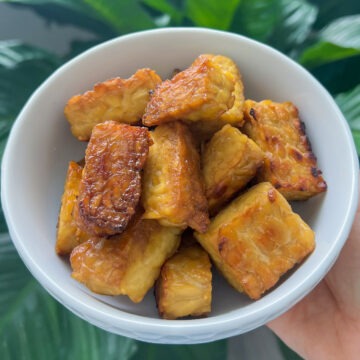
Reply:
x=40, y=146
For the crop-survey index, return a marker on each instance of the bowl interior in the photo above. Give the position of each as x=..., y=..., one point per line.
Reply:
x=41, y=145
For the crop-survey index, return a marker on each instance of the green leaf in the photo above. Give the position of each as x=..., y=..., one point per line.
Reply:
x=211, y=351
x=297, y=19
x=257, y=19
x=339, y=40
x=343, y=32
x=349, y=103
x=211, y=13
x=324, y=52
x=124, y=16
x=76, y=5
x=166, y=8
x=22, y=69
x=330, y=10
x=75, y=12
x=13, y=52
x=3, y=225
x=34, y=326
x=283, y=24
x=83, y=19
x=13, y=272
x=356, y=137
x=339, y=76
x=77, y=47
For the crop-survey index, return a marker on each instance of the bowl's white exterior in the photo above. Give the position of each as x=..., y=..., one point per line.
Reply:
x=40, y=146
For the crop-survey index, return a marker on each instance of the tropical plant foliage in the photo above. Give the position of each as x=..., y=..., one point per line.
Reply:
x=322, y=35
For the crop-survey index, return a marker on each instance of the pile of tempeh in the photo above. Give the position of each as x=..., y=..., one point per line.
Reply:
x=168, y=157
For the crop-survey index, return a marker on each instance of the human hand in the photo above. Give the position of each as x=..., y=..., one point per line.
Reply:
x=326, y=323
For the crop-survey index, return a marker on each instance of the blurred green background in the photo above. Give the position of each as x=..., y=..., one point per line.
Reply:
x=322, y=35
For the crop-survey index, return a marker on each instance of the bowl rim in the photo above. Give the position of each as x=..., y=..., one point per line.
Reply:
x=231, y=323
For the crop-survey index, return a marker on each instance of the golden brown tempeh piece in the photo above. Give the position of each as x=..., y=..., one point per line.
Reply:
x=229, y=161
x=289, y=163
x=184, y=286
x=256, y=239
x=202, y=91
x=234, y=115
x=121, y=100
x=125, y=264
x=172, y=186
x=111, y=182
x=68, y=233
x=205, y=128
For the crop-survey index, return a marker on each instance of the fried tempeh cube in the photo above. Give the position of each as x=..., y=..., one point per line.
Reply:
x=110, y=187
x=256, y=239
x=68, y=233
x=289, y=163
x=172, y=185
x=229, y=161
x=125, y=264
x=184, y=286
x=121, y=100
x=235, y=115
x=205, y=128
x=202, y=91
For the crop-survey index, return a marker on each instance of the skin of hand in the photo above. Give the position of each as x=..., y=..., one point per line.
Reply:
x=326, y=323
